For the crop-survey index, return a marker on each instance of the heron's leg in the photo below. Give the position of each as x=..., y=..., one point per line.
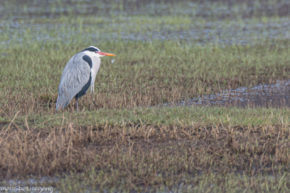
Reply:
x=77, y=105
x=92, y=89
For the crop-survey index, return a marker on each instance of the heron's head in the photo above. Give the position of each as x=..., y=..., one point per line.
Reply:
x=98, y=52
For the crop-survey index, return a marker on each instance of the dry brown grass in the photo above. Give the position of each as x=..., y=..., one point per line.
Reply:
x=142, y=151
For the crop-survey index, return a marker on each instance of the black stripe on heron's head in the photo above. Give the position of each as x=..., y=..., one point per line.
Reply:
x=92, y=49
x=88, y=60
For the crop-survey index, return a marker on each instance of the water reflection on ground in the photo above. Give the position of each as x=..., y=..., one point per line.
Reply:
x=199, y=22
x=214, y=32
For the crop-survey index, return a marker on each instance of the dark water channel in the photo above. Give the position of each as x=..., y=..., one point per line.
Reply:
x=263, y=95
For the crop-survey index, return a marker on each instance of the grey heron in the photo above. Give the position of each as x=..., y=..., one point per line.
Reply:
x=78, y=75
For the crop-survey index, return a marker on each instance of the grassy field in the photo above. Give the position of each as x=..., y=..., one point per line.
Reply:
x=191, y=149
x=143, y=74
x=121, y=140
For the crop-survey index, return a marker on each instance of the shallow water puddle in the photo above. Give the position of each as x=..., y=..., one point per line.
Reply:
x=263, y=95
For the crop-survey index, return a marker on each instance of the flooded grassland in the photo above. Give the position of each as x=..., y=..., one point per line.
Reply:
x=196, y=100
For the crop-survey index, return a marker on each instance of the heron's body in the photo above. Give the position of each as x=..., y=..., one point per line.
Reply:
x=78, y=75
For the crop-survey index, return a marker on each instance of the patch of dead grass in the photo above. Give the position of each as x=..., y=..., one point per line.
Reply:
x=142, y=149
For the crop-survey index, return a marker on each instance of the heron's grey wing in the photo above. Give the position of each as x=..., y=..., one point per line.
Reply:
x=75, y=76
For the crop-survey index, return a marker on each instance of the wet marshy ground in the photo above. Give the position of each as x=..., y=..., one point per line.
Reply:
x=263, y=95
x=201, y=23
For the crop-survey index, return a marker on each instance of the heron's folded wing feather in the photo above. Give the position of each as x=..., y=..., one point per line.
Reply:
x=74, y=77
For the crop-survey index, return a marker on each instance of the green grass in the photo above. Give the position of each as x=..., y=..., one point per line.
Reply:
x=165, y=116
x=143, y=73
x=211, y=182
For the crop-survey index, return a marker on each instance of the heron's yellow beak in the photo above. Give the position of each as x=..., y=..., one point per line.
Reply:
x=106, y=54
